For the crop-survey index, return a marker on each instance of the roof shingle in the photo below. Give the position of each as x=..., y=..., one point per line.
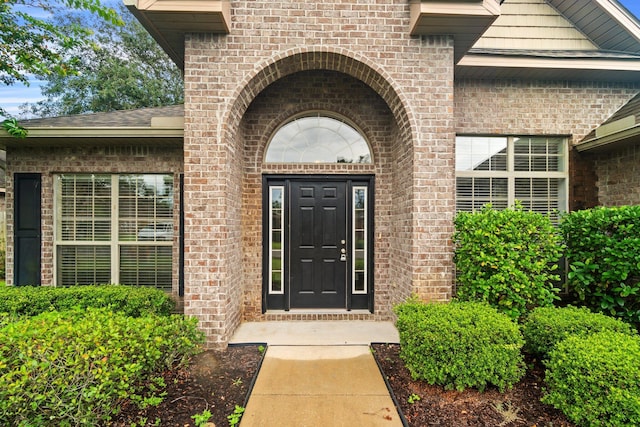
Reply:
x=124, y=118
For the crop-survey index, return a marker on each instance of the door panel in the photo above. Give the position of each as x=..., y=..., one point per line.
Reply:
x=318, y=224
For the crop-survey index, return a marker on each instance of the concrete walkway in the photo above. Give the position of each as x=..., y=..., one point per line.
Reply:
x=319, y=374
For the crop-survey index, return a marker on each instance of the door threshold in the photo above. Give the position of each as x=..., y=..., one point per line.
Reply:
x=319, y=311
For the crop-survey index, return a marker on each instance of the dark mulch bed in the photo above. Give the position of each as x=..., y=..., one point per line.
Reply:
x=213, y=381
x=439, y=407
x=217, y=381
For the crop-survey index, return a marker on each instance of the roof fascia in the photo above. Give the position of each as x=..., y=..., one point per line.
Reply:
x=169, y=20
x=502, y=61
x=100, y=132
x=609, y=140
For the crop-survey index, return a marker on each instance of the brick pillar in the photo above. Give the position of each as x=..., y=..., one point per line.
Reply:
x=433, y=173
x=212, y=193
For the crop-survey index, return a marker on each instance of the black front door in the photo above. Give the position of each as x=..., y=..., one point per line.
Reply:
x=317, y=245
x=318, y=248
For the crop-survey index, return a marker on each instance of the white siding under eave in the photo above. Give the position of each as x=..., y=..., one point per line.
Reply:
x=532, y=25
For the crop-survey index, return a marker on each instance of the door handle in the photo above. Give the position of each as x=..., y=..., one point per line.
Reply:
x=343, y=257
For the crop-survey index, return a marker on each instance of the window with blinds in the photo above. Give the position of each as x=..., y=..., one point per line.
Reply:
x=114, y=229
x=501, y=170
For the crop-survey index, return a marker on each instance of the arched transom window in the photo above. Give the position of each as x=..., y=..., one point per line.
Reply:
x=318, y=138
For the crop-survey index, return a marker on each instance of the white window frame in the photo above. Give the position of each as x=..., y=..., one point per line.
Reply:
x=284, y=148
x=114, y=243
x=365, y=249
x=271, y=242
x=511, y=175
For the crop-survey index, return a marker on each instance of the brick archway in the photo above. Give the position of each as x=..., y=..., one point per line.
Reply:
x=269, y=76
x=311, y=58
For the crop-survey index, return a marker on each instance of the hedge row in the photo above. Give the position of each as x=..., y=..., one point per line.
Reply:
x=129, y=300
x=507, y=258
x=593, y=374
x=76, y=367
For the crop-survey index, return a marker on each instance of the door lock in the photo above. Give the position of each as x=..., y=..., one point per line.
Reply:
x=343, y=257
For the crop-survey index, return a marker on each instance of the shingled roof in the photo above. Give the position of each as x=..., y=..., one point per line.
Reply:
x=150, y=126
x=124, y=118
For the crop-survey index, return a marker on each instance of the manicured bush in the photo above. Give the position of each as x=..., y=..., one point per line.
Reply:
x=595, y=379
x=603, y=253
x=76, y=367
x=460, y=344
x=544, y=327
x=129, y=300
x=506, y=258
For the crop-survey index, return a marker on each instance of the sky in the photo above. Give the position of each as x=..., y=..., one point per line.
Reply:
x=632, y=5
x=11, y=97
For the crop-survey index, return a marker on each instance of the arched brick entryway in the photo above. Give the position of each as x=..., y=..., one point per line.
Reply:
x=229, y=167
x=322, y=81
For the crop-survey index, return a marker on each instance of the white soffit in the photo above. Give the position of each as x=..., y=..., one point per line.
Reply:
x=480, y=66
x=465, y=20
x=169, y=20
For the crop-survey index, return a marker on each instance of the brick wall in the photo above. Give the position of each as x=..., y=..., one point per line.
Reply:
x=618, y=174
x=404, y=86
x=104, y=159
x=583, y=186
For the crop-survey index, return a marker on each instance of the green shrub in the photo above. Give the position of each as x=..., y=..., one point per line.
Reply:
x=595, y=380
x=603, y=253
x=3, y=258
x=76, y=367
x=460, y=344
x=544, y=327
x=506, y=258
x=129, y=300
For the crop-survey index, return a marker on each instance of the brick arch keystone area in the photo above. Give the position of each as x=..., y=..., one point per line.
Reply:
x=313, y=58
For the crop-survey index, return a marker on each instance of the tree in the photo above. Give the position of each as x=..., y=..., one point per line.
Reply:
x=124, y=69
x=31, y=45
